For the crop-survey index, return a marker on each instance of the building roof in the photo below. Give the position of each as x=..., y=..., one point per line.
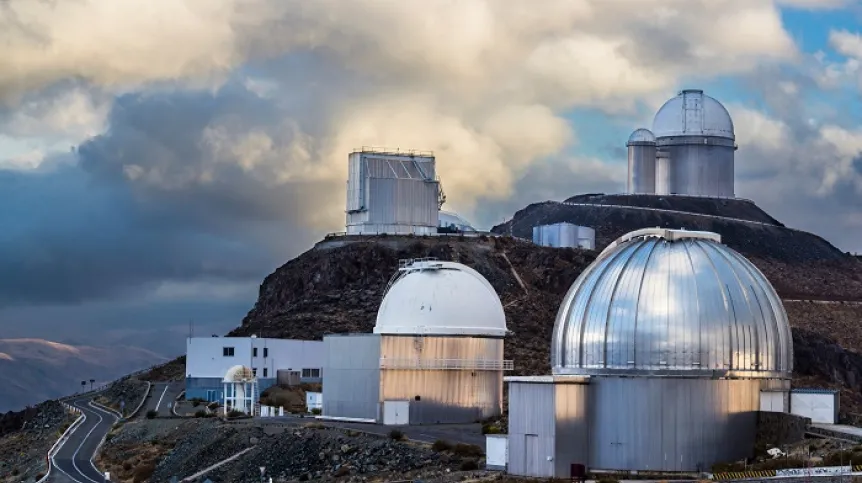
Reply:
x=693, y=113
x=432, y=297
x=675, y=302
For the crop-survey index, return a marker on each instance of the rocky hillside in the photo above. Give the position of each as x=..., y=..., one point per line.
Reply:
x=767, y=238
x=26, y=436
x=337, y=287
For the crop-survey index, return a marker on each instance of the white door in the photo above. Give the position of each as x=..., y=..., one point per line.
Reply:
x=396, y=413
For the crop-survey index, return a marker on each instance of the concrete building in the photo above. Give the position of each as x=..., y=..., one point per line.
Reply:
x=690, y=150
x=660, y=351
x=564, y=235
x=393, y=193
x=208, y=359
x=436, y=354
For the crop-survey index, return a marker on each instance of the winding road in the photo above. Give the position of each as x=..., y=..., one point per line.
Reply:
x=73, y=462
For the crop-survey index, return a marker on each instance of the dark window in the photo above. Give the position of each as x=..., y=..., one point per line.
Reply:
x=254, y=371
x=254, y=352
x=227, y=351
x=311, y=373
x=265, y=372
x=266, y=351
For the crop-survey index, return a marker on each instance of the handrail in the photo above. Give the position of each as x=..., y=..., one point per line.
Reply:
x=447, y=364
x=63, y=437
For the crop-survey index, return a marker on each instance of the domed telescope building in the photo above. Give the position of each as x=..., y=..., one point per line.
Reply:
x=690, y=150
x=660, y=351
x=436, y=354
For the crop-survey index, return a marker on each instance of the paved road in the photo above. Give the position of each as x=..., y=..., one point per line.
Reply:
x=162, y=397
x=73, y=462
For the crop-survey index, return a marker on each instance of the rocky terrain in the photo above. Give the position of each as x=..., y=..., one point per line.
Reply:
x=769, y=240
x=25, y=438
x=34, y=370
x=129, y=390
x=158, y=450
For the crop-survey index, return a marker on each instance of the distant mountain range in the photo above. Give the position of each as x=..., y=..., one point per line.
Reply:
x=33, y=370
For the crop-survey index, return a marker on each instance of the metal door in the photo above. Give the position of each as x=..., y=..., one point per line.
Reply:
x=531, y=453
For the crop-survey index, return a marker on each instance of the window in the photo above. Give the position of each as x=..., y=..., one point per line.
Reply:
x=254, y=371
x=265, y=372
x=311, y=373
x=254, y=352
x=266, y=351
x=227, y=351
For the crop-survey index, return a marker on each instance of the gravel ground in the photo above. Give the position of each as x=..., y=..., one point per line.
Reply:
x=207, y=445
x=22, y=453
x=324, y=454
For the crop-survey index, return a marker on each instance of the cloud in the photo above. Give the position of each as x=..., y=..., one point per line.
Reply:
x=213, y=136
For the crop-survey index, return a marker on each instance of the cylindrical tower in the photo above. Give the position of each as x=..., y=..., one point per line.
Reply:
x=697, y=132
x=641, y=146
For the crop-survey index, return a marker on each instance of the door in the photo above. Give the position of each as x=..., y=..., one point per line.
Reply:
x=531, y=453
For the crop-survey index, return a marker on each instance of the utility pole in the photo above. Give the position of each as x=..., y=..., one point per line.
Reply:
x=83, y=386
x=92, y=381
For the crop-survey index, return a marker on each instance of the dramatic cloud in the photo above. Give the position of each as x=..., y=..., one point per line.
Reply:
x=212, y=136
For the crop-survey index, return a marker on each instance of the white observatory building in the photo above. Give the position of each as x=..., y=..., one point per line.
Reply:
x=660, y=351
x=392, y=193
x=240, y=390
x=436, y=354
x=690, y=150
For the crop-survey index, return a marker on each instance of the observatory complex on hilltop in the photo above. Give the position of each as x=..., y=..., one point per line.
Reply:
x=690, y=150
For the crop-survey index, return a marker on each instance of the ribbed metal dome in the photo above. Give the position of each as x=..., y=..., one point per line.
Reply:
x=641, y=136
x=662, y=301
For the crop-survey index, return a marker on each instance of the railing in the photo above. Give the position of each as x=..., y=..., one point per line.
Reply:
x=447, y=364
x=465, y=234
x=62, y=439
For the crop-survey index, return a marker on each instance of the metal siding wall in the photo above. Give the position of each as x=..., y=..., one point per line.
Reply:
x=642, y=169
x=701, y=169
x=531, y=412
x=671, y=424
x=446, y=396
x=572, y=433
x=351, y=376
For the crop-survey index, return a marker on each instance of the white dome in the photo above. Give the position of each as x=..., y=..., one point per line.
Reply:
x=693, y=113
x=642, y=136
x=440, y=298
x=239, y=374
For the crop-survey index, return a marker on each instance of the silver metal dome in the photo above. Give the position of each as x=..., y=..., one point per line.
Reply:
x=693, y=113
x=641, y=136
x=672, y=302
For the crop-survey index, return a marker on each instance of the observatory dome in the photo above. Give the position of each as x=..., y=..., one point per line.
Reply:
x=641, y=136
x=660, y=301
x=693, y=113
x=430, y=297
x=238, y=374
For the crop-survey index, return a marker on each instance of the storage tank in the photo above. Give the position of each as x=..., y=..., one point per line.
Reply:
x=436, y=355
x=659, y=353
x=392, y=193
x=697, y=132
x=642, y=169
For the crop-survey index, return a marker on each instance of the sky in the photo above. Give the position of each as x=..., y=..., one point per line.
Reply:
x=158, y=159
